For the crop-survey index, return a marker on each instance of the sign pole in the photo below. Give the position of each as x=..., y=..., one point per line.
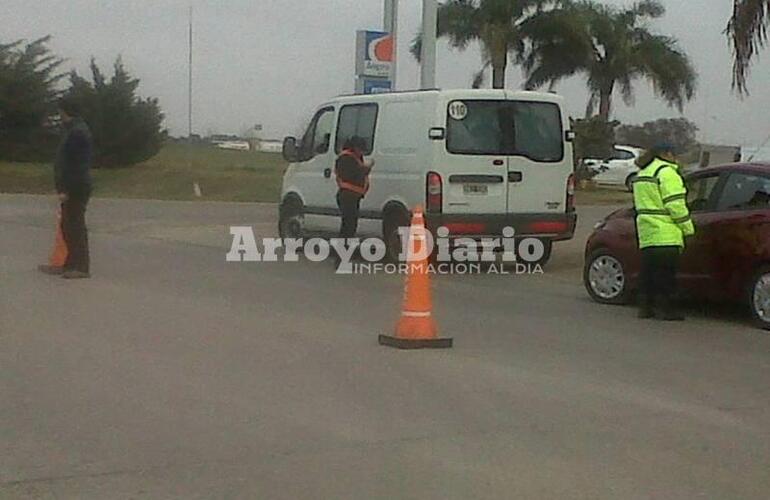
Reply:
x=390, y=24
x=428, y=65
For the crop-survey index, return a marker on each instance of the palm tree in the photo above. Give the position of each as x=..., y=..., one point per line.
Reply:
x=612, y=47
x=747, y=31
x=495, y=24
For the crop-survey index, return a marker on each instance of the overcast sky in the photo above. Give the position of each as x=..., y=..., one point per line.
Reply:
x=273, y=61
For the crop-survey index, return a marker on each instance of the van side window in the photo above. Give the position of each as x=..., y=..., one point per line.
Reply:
x=357, y=120
x=317, y=139
x=538, y=129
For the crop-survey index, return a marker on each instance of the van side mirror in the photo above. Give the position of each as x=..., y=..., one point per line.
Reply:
x=290, y=152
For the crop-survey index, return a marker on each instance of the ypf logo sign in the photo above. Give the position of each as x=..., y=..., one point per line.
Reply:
x=380, y=47
x=374, y=54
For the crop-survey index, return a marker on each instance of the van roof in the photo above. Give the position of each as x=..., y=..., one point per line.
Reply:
x=455, y=94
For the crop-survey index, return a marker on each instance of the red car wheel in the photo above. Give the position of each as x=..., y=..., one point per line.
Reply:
x=759, y=297
x=605, y=278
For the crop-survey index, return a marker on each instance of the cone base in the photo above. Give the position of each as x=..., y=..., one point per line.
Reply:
x=400, y=343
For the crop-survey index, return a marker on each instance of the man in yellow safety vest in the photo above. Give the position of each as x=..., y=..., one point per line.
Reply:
x=662, y=222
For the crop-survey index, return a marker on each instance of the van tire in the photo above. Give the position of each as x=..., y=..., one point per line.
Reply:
x=548, y=248
x=291, y=218
x=394, y=217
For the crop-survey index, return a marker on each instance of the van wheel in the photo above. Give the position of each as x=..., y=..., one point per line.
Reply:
x=605, y=278
x=393, y=220
x=759, y=297
x=630, y=183
x=291, y=219
x=542, y=261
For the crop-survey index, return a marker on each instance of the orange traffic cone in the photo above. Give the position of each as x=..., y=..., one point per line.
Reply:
x=417, y=328
x=59, y=255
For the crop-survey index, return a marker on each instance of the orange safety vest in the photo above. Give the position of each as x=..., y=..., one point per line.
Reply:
x=361, y=189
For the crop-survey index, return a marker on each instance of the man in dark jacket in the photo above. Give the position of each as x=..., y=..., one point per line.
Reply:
x=352, y=173
x=72, y=171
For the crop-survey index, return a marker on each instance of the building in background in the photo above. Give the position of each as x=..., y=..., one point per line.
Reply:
x=709, y=155
x=756, y=154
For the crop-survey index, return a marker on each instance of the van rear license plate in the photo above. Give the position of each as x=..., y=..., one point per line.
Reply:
x=475, y=189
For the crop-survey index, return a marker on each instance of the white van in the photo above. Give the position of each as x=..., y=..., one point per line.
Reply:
x=476, y=160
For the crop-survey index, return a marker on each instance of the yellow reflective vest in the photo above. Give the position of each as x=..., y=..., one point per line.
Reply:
x=660, y=199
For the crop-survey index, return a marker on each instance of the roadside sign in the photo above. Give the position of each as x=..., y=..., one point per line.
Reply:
x=373, y=86
x=374, y=54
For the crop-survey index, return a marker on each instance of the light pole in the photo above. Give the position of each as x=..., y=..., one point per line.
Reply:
x=196, y=186
x=428, y=65
x=390, y=24
x=190, y=78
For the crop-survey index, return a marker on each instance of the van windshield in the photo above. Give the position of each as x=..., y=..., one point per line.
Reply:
x=506, y=128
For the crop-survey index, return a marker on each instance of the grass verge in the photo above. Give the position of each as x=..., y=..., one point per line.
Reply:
x=221, y=174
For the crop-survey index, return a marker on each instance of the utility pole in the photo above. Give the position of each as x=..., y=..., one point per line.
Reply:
x=190, y=79
x=196, y=186
x=390, y=24
x=428, y=65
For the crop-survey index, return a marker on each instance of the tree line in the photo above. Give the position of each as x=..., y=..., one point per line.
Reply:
x=596, y=138
x=127, y=129
x=612, y=47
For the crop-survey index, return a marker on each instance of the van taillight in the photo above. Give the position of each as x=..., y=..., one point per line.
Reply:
x=571, y=193
x=434, y=193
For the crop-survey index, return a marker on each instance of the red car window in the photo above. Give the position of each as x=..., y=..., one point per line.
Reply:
x=745, y=192
x=699, y=191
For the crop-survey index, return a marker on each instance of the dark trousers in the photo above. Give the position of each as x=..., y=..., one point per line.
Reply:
x=349, y=204
x=73, y=226
x=658, y=276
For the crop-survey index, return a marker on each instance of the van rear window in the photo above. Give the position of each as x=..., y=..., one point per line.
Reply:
x=506, y=128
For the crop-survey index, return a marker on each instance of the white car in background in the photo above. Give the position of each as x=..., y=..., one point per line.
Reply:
x=234, y=145
x=618, y=170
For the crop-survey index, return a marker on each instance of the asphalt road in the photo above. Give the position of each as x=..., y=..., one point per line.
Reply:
x=173, y=374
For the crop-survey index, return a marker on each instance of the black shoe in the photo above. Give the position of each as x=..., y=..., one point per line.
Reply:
x=646, y=313
x=668, y=309
x=75, y=275
x=672, y=315
x=52, y=270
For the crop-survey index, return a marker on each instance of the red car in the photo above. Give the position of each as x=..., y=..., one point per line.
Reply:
x=727, y=259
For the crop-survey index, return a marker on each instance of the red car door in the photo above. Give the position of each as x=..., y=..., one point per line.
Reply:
x=695, y=273
x=738, y=231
